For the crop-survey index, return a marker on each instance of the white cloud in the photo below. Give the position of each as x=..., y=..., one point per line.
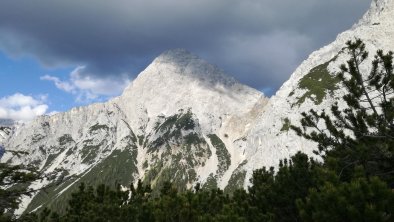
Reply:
x=20, y=107
x=88, y=88
x=59, y=84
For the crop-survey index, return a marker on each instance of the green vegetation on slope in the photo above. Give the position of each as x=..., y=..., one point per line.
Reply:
x=286, y=125
x=118, y=168
x=317, y=83
x=66, y=138
x=237, y=179
x=176, y=152
x=97, y=127
x=224, y=157
x=211, y=183
x=171, y=129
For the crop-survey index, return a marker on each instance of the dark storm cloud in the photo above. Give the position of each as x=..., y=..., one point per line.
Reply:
x=260, y=42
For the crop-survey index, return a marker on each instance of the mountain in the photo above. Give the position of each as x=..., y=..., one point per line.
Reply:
x=6, y=128
x=184, y=120
x=5, y=131
x=314, y=85
x=177, y=121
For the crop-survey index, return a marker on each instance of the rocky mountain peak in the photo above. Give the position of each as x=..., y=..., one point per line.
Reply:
x=179, y=56
x=178, y=67
x=178, y=79
x=383, y=4
x=381, y=13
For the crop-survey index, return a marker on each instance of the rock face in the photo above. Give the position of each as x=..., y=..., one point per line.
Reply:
x=184, y=120
x=177, y=121
x=6, y=128
x=314, y=85
x=4, y=133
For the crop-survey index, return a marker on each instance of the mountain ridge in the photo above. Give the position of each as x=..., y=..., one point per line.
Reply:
x=182, y=119
x=177, y=120
x=375, y=28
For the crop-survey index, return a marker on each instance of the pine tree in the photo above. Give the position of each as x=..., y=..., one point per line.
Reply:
x=14, y=183
x=361, y=199
x=363, y=133
x=357, y=144
x=273, y=194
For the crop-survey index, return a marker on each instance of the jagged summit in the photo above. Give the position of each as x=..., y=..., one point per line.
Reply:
x=380, y=13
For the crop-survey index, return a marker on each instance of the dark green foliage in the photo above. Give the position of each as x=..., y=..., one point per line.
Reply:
x=51, y=158
x=181, y=121
x=145, y=164
x=44, y=215
x=193, y=139
x=357, y=145
x=224, y=157
x=97, y=127
x=66, y=138
x=48, y=197
x=102, y=204
x=237, y=179
x=176, y=152
x=14, y=182
x=286, y=125
x=140, y=140
x=301, y=190
x=185, y=121
x=89, y=153
x=118, y=168
x=270, y=198
x=37, y=137
x=137, y=204
x=211, y=183
x=172, y=128
x=274, y=195
x=358, y=200
x=179, y=174
x=317, y=83
x=363, y=133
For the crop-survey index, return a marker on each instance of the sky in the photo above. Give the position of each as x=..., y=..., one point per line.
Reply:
x=55, y=55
